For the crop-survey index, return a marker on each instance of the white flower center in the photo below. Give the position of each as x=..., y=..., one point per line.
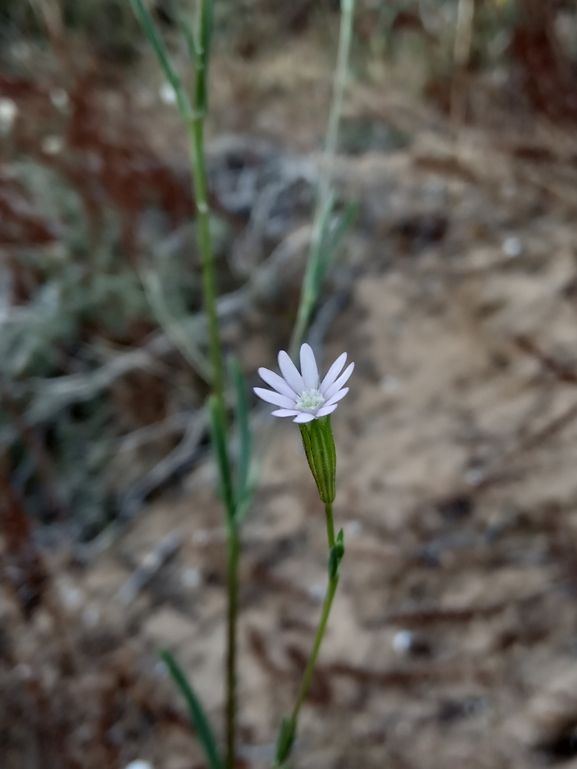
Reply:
x=310, y=400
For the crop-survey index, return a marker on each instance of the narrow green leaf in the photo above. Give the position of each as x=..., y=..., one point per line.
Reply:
x=176, y=328
x=285, y=740
x=188, y=35
x=196, y=711
x=336, y=554
x=331, y=239
x=318, y=251
x=155, y=39
x=342, y=225
x=206, y=23
x=244, y=431
x=220, y=447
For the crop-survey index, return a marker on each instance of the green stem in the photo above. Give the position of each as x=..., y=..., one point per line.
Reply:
x=324, y=201
x=233, y=583
x=196, y=122
x=196, y=135
x=327, y=605
x=308, y=674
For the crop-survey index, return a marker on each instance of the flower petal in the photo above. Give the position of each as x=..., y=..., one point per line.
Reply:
x=309, y=370
x=286, y=413
x=302, y=418
x=277, y=382
x=336, y=397
x=333, y=373
x=275, y=398
x=324, y=410
x=336, y=386
x=290, y=372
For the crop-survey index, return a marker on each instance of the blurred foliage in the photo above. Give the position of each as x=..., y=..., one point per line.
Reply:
x=81, y=210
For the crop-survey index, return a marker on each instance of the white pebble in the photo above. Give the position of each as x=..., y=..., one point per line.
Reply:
x=191, y=577
x=403, y=641
x=8, y=112
x=512, y=247
x=139, y=765
x=72, y=597
x=52, y=145
x=59, y=98
x=167, y=94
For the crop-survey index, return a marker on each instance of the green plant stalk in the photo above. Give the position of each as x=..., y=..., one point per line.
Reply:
x=324, y=195
x=233, y=545
x=327, y=605
x=328, y=602
x=196, y=133
x=196, y=136
x=308, y=674
x=196, y=123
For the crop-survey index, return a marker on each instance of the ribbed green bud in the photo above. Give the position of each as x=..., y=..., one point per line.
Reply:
x=319, y=447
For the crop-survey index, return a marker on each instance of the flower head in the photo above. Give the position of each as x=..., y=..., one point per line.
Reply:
x=302, y=395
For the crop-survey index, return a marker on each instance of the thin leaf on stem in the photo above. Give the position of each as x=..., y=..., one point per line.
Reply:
x=205, y=24
x=188, y=35
x=334, y=236
x=155, y=39
x=196, y=711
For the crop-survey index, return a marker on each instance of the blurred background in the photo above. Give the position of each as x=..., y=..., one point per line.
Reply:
x=454, y=635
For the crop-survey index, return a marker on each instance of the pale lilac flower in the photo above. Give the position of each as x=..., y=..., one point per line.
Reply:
x=303, y=395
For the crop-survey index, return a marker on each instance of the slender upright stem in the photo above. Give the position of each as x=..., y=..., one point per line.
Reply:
x=309, y=670
x=327, y=605
x=195, y=124
x=328, y=602
x=324, y=202
x=196, y=135
x=196, y=132
x=339, y=84
x=233, y=562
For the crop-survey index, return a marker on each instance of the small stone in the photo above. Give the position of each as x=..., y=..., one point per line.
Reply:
x=167, y=94
x=512, y=247
x=72, y=597
x=59, y=98
x=403, y=641
x=191, y=577
x=8, y=113
x=52, y=145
